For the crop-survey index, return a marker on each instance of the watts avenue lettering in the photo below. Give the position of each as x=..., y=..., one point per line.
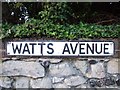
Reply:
x=86, y=48
x=60, y=48
x=29, y=48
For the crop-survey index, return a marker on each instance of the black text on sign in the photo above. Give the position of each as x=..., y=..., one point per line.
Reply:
x=60, y=48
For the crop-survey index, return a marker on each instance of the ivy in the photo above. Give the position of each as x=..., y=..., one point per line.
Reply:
x=56, y=12
x=38, y=28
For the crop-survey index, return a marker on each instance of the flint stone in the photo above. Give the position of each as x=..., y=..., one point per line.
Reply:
x=81, y=65
x=107, y=81
x=97, y=71
x=62, y=69
x=118, y=82
x=46, y=82
x=21, y=82
x=75, y=80
x=5, y=82
x=22, y=68
x=95, y=82
x=92, y=61
x=112, y=66
x=117, y=79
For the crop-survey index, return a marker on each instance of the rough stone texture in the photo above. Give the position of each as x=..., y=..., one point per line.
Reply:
x=45, y=82
x=99, y=59
x=112, y=66
x=95, y=82
x=60, y=85
x=35, y=83
x=83, y=86
x=22, y=68
x=62, y=69
x=0, y=67
x=75, y=80
x=53, y=61
x=109, y=80
x=21, y=82
x=5, y=82
x=97, y=71
x=60, y=73
x=81, y=65
x=0, y=88
x=57, y=79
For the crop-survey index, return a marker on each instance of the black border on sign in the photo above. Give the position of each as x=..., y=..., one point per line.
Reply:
x=61, y=55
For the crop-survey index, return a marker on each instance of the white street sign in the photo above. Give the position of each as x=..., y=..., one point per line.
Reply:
x=80, y=48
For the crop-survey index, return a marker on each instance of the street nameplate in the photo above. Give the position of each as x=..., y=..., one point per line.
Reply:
x=79, y=48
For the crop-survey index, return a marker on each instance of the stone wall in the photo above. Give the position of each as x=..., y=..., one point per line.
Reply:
x=59, y=73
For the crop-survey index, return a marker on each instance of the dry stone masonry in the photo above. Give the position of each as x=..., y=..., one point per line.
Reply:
x=59, y=73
